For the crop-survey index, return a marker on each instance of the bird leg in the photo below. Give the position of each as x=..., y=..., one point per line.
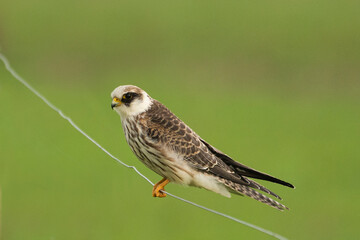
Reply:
x=156, y=192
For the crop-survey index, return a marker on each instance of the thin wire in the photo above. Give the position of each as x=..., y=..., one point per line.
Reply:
x=20, y=79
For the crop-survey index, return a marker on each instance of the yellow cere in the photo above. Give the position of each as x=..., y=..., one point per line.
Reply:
x=115, y=99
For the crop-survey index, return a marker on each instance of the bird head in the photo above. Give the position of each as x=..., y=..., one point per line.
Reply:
x=129, y=100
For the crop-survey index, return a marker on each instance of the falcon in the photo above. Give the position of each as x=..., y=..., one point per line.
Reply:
x=166, y=145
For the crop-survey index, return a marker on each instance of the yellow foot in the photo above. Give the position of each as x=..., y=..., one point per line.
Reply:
x=156, y=192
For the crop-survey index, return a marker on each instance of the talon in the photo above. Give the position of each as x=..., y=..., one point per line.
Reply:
x=158, y=187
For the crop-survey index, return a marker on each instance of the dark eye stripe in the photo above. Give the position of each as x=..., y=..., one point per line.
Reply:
x=129, y=97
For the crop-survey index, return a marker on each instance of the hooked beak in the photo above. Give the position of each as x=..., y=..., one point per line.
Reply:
x=115, y=102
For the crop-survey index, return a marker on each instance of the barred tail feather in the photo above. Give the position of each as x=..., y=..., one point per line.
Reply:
x=245, y=190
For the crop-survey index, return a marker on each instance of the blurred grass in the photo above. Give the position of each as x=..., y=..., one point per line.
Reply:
x=273, y=84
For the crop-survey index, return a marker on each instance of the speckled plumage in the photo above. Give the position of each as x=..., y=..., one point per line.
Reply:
x=173, y=150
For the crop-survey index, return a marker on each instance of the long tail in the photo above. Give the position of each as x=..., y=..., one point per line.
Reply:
x=245, y=190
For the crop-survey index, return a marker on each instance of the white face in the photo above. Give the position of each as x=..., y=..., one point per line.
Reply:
x=129, y=100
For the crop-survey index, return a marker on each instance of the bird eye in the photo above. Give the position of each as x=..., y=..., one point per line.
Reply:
x=127, y=96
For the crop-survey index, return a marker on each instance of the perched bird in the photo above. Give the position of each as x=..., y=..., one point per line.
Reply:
x=166, y=145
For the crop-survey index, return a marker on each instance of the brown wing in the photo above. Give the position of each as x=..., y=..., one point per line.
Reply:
x=164, y=127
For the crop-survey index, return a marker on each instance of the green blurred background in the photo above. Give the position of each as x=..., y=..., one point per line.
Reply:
x=275, y=84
